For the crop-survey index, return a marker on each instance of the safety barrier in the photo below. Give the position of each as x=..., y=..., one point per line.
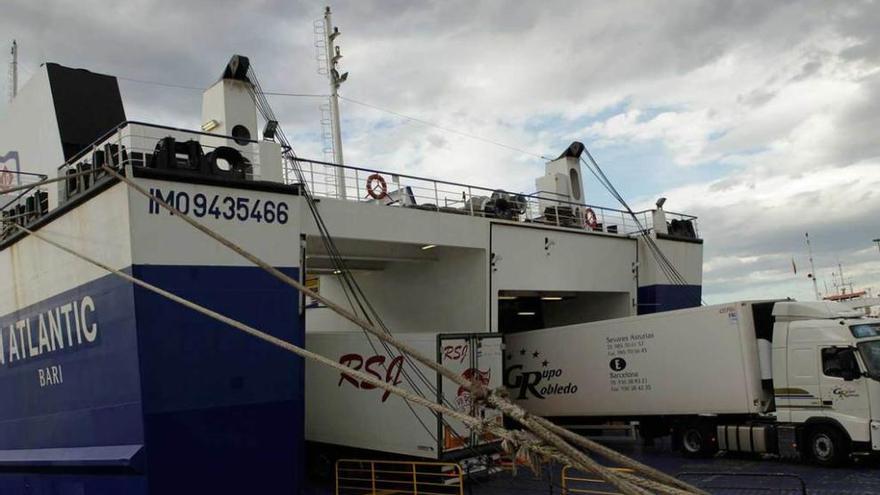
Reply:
x=406, y=191
x=374, y=477
x=140, y=144
x=580, y=483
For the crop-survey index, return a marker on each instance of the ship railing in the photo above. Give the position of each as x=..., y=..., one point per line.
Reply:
x=135, y=144
x=130, y=144
x=378, y=187
x=646, y=218
x=376, y=477
x=20, y=206
x=575, y=482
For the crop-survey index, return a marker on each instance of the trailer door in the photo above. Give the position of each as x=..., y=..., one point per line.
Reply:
x=475, y=357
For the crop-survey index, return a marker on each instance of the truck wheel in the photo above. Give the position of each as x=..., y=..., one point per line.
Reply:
x=828, y=447
x=697, y=441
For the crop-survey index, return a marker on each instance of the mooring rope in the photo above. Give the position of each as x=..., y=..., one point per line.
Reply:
x=617, y=457
x=572, y=456
x=470, y=420
x=402, y=346
x=477, y=390
x=535, y=424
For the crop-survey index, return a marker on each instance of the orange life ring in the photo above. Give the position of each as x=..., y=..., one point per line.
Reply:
x=377, y=188
x=590, y=218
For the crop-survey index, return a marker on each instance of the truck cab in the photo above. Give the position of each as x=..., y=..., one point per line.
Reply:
x=826, y=367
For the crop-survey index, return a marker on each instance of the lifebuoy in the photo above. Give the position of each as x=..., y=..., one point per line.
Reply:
x=590, y=218
x=377, y=188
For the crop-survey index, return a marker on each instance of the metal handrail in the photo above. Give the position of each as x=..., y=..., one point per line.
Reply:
x=459, y=184
x=684, y=216
x=94, y=144
x=406, y=176
x=566, y=480
x=122, y=136
x=402, y=476
x=413, y=191
x=454, y=197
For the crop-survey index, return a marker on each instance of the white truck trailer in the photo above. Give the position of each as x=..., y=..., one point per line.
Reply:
x=344, y=416
x=782, y=377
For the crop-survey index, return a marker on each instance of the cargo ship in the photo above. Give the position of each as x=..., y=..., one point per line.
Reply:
x=114, y=389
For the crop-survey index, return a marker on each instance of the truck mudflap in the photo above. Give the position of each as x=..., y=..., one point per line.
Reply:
x=787, y=441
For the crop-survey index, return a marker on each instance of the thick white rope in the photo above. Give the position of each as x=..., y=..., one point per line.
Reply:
x=381, y=334
x=478, y=391
x=472, y=422
x=467, y=419
x=617, y=457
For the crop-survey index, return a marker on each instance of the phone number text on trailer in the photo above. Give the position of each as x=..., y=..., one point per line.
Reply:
x=232, y=208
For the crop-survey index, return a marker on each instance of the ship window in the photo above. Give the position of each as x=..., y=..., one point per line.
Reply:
x=241, y=134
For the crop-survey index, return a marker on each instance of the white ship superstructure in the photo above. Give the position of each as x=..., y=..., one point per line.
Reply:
x=446, y=256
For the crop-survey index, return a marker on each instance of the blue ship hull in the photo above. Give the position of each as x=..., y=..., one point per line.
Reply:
x=160, y=400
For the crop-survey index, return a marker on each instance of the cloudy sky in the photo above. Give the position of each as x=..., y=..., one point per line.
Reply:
x=762, y=118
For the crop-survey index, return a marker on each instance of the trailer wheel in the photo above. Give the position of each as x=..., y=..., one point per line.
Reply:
x=698, y=440
x=828, y=447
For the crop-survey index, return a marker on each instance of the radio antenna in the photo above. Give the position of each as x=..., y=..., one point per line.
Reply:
x=813, y=268
x=13, y=72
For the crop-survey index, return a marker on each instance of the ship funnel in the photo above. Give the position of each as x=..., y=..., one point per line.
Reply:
x=228, y=107
x=574, y=150
x=237, y=68
x=561, y=185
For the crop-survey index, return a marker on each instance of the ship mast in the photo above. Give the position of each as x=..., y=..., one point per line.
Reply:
x=335, y=79
x=813, y=269
x=841, y=287
x=13, y=71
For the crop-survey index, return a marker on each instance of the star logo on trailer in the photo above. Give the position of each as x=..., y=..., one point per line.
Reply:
x=529, y=374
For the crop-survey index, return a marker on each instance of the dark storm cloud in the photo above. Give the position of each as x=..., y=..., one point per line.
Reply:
x=773, y=93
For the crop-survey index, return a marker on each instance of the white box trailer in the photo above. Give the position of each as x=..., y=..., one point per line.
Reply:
x=344, y=414
x=781, y=377
x=696, y=361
